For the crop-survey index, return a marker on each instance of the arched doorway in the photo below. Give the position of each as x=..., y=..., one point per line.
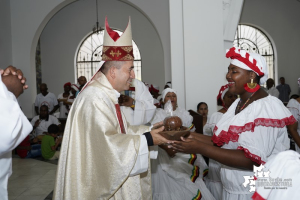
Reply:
x=255, y=40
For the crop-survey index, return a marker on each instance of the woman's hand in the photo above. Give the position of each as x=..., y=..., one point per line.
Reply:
x=187, y=145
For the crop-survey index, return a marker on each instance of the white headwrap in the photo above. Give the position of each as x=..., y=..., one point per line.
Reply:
x=166, y=91
x=75, y=87
x=249, y=61
x=223, y=93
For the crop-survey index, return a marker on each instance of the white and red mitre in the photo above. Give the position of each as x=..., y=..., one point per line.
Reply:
x=116, y=47
x=249, y=61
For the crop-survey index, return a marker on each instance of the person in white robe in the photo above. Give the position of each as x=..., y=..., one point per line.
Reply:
x=251, y=132
x=294, y=129
x=102, y=156
x=177, y=176
x=62, y=99
x=281, y=178
x=271, y=89
x=14, y=125
x=140, y=110
x=213, y=178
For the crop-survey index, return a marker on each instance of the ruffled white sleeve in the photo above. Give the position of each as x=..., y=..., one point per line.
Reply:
x=14, y=125
x=267, y=135
x=294, y=108
x=259, y=130
x=211, y=123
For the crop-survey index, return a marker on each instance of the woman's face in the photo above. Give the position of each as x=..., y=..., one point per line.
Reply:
x=203, y=110
x=173, y=98
x=237, y=78
x=229, y=98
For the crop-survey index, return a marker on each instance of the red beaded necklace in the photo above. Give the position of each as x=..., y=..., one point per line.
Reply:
x=239, y=105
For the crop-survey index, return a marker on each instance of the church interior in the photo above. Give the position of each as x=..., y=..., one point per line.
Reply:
x=180, y=41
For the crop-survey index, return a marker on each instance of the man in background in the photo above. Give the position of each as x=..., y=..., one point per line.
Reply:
x=81, y=82
x=46, y=98
x=42, y=121
x=284, y=91
x=271, y=90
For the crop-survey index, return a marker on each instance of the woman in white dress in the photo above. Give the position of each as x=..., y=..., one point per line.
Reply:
x=251, y=132
x=213, y=179
x=294, y=129
x=202, y=109
x=178, y=177
x=62, y=99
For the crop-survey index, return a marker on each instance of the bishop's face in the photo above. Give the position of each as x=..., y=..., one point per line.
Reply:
x=124, y=76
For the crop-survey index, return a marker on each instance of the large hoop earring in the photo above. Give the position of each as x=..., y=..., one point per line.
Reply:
x=251, y=87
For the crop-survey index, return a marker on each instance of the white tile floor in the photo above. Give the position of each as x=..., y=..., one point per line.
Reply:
x=31, y=179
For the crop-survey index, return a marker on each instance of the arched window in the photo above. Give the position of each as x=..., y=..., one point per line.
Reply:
x=254, y=40
x=89, y=56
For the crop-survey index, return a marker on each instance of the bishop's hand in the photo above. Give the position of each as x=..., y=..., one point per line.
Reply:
x=157, y=138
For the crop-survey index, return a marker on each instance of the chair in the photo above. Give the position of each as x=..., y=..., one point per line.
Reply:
x=197, y=121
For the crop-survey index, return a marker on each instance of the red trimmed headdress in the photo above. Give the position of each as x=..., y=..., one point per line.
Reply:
x=67, y=84
x=222, y=92
x=115, y=47
x=153, y=89
x=75, y=87
x=249, y=61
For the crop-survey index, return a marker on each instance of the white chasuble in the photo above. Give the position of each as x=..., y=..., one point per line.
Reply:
x=96, y=159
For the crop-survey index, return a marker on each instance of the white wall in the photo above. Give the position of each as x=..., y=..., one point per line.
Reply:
x=5, y=34
x=199, y=30
x=280, y=20
x=27, y=21
x=20, y=33
x=158, y=13
x=64, y=32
